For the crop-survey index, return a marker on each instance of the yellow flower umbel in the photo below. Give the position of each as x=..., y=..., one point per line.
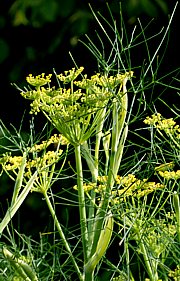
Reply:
x=127, y=186
x=39, y=159
x=70, y=75
x=39, y=80
x=75, y=111
x=168, y=175
x=131, y=186
x=169, y=126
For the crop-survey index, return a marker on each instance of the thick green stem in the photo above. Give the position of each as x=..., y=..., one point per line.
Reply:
x=95, y=173
x=176, y=202
x=82, y=205
x=89, y=276
x=61, y=233
x=119, y=134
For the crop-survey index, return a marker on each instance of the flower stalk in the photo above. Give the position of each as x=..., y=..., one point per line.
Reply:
x=82, y=204
x=61, y=233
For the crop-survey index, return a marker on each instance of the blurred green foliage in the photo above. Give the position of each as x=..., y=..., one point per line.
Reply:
x=39, y=12
x=152, y=8
x=26, y=21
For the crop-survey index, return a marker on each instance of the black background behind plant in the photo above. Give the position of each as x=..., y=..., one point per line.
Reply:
x=35, y=37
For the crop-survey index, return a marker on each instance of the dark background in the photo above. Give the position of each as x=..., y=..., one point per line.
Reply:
x=37, y=35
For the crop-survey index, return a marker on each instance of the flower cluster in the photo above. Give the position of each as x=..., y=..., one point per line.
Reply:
x=39, y=80
x=131, y=186
x=12, y=162
x=41, y=162
x=70, y=75
x=175, y=274
x=168, y=175
x=55, y=139
x=165, y=171
x=87, y=187
x=75, y=111
x=127, y=186
x=169, y=126
x=103, y=81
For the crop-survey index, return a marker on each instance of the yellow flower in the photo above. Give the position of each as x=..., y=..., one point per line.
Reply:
x=175, y=273
x=39, y=80
x=87, y=187
x=13, y=163
x=70, y=75
x=126, y=181
x=168, y=125
x=153, y=119
x=170, y=175
x=102, y=179
x=55, y=139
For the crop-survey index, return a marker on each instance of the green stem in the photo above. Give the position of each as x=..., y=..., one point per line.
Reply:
x=89, y=276
x=176, y=203
x=82, y=205
x=119, y=134
x=16, y=205
x=61, y=233
x=152, y=275
x=23, y=269
x=19, y=180
x=98, y=138
x=95, y=173
x=122, y=128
